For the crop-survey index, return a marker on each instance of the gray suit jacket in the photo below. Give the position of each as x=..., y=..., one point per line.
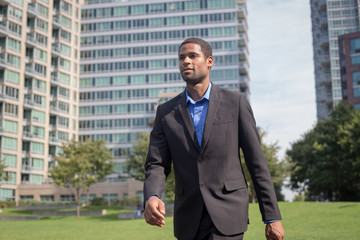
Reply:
x=210, y=175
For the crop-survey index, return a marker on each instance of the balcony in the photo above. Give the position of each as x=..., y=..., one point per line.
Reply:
x=32, y=41
x=244, y=68
x=28, y=169
x=242, y=25
x=5, y=30
x=243, y=54
x=242, y=11
x=243, y=39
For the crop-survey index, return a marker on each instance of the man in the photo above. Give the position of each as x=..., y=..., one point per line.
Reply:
x=200, y=132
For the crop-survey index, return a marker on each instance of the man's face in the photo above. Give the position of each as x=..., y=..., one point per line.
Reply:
x=194, y=66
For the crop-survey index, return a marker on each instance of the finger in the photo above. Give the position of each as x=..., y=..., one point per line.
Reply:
x=162, y=207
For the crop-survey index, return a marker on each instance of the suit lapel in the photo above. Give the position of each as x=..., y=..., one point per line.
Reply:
x=211, y=114
x=184, y=111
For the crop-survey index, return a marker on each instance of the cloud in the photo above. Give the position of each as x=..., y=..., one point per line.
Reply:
x=281, y=69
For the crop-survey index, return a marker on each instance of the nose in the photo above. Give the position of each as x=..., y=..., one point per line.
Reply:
x=186, y=60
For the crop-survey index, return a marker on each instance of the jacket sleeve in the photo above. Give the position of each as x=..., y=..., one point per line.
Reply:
x=158, y=161
x=256, y=163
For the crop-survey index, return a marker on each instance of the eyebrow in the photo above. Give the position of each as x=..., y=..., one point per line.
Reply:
x=195, y=53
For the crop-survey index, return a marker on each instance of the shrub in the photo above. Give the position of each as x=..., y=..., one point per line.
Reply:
x=98, y=201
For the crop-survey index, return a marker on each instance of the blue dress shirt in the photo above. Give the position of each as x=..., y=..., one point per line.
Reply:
x=198, y=112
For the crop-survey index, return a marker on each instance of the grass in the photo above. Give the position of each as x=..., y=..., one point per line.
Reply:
x=302, y=221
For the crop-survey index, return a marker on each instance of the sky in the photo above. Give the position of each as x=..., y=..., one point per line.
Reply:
x=282, y=81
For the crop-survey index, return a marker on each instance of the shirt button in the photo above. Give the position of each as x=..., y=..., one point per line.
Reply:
x=201, y=185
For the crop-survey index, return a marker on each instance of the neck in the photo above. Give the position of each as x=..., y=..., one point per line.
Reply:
x=197, y=91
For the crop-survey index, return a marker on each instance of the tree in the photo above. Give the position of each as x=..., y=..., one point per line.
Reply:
x=278, y=169
x=3, y=175
x=100, y=158
x=326, y=160
x=135, y=165
x=80, y=165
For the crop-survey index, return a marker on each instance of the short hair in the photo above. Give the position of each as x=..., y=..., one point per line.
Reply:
x=204, y=45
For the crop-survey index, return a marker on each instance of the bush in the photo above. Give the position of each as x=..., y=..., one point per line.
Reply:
x=30, y=202
x=131, y=201
x=98, y=201
x=7, y=204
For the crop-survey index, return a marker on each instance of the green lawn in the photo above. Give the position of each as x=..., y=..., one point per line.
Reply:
x=302, y=221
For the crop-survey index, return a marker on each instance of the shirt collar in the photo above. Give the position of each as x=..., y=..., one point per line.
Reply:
x=206, y=95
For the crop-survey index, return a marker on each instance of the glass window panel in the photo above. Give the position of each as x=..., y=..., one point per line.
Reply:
x=9, y=160
x=120, y=80
x=9, y=143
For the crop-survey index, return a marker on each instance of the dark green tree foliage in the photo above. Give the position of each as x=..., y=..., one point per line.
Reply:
x=136, y=165
x=326, y=161
x=278, y=170
x=80, y=165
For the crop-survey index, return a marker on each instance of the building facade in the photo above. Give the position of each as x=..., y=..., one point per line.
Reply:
x=39, y=77
x=129, y=60
x=330, y=19
x=349, y=46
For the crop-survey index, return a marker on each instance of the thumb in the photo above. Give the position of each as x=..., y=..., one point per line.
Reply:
x=162, y=207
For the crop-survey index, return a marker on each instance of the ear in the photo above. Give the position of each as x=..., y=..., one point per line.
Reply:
x=210, y=62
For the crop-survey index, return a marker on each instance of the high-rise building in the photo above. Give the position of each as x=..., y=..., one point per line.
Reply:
x=349, y=46
x=330, y=19
x=129, y=60
x=39, y=75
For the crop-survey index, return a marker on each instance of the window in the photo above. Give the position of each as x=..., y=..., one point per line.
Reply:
x=215, y=4
x=120, y=11
x=192, y=5
x=9, y=126
x=11, y=92
x=174, y=21
x=67, y=197
x=40, y=55
x=64, y=78
x=156, y=78
x=120, y=108
x=11, y=76
x=9, y=160
x=13, y=44
x=156, y=22
x=355, y=60
x=9, y=143
x=47, y=198
x=193, y=19
x=157, y=7
x=37, y=148
x=120, y=80
x=138, y=79
x=10, y=109
x=173, y=7
x=356, y=78
x=138, y=9
x=13, y=60
x=38, y=116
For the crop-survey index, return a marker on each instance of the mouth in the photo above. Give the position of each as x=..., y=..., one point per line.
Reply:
x=186, y=70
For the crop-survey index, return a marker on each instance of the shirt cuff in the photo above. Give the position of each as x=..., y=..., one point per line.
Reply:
x=270, y=221
x=149, y=198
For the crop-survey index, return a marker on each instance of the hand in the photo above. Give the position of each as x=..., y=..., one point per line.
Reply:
x=155, y=211
x=274, y=231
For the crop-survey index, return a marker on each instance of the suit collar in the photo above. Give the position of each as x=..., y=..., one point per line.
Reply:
x=211, y=114
x=214, y=103
x=184, y=111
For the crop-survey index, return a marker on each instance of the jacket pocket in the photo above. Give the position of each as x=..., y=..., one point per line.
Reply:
x=233, y=185
x=223, y=120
